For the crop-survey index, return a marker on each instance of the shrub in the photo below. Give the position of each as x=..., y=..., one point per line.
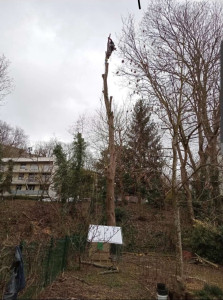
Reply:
x=129, y=233
x=79, y=241
x=120, y=214
x=210, y=292
x=155, y=199
x=207, y=241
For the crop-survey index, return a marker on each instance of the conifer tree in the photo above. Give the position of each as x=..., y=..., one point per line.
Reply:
x=79, y=152
x=144, y=152
x=61, y=177
x=77, y=172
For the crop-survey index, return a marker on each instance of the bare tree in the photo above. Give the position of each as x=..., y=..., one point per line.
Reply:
x=13, y=140
x=173, y=60
x=5, y=80
x=79, y=125
x=177, y=44
x=44, y=149
x=110, y=178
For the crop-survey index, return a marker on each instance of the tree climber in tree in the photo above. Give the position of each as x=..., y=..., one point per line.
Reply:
x=110, y=47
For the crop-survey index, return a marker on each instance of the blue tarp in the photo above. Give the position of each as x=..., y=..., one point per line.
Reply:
x=17, y=280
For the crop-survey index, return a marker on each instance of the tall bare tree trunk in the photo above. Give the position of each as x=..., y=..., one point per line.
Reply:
x=185, y=182
x=179, y=254
x=110, y=195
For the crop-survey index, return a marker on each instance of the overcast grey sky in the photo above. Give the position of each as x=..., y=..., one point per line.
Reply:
x=56, y=49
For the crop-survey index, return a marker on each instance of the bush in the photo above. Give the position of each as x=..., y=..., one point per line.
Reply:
x=210, y=292
x=155, y=199
x=79, y=242
x=120, y=214
x=207, y=241
x=129, y=233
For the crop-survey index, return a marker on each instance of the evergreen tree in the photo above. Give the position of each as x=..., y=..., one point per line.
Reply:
x=79, y=152
x=71, y=179
x=144, y=163
x=61, y=177
x=77, y=173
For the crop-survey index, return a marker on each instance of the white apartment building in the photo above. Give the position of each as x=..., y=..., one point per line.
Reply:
x=32, y=177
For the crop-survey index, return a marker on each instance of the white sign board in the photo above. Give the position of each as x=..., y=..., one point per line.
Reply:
x=105, y=234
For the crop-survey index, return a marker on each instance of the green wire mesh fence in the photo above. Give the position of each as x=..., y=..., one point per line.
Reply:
x=42, y=262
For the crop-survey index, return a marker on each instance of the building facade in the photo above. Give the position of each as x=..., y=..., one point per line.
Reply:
x=31, y=177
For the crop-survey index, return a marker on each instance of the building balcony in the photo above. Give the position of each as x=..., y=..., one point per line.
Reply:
x=29, y=193
x=24, y=182
x=18, y=170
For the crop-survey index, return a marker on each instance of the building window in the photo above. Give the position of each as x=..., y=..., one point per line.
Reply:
x=47, y=168
x=30, y=187
x=31, y=177
x=22, y=166
x=34, y=167
x=21, y=176
x=45, y=177
x=18, y=187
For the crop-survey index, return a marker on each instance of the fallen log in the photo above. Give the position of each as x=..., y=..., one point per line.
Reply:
x=109, y=272
x=82, y=280
x=205, y=261
x=96, y=265
x=196, y=279
x=148, y=254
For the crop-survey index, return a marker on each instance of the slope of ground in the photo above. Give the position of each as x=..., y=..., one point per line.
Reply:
x=34, y=221
x=147, y=232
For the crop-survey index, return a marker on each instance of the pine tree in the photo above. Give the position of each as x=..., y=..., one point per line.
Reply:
x=144, y=153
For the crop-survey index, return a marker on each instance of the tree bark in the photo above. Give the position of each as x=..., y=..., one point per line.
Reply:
x=179, y=254
x=185, y=181
x=110, y=195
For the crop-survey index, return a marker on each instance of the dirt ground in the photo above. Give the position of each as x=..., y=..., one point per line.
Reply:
x=137, y=279
x=139, y=272
x=32, y=221
x=88, y=283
